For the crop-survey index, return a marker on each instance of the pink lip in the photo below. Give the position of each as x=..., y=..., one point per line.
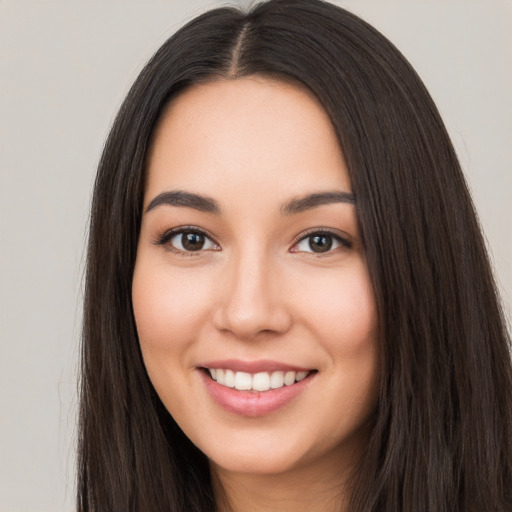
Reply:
x=250, y=403
x=261, y=365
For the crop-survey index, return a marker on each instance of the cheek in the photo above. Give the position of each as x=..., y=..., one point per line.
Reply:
x=168, y=307
x=341, y=310
x=342, y=314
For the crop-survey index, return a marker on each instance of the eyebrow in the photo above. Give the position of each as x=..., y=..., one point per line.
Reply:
x=209, y=205
x=186, y=199
x=310, y=201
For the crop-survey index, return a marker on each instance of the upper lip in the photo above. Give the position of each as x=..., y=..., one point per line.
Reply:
x=260, y=365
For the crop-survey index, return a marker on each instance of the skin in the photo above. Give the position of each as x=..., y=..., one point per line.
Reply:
x=258, y=291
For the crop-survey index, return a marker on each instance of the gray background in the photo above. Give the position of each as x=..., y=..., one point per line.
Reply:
x=64, y=68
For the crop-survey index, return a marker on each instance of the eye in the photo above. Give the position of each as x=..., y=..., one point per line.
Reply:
x=321, y=242
x=187, y=240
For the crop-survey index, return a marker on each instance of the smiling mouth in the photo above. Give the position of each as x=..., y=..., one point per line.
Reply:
x=257, y=382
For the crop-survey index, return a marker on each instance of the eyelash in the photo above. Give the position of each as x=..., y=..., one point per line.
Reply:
x=166, y=237
x=344, y=243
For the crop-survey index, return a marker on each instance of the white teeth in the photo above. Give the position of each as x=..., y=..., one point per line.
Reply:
x=289, y=378
x=301, y=376
x=262, y=381
x=229, y=378
x=243, y=381
x=277, y=380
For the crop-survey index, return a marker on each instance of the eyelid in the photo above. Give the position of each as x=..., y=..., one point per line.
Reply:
x=344, y=239
x=162, y=239
x=168, y=234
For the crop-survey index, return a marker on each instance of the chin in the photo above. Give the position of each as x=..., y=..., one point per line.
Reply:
x=261, y=452
x=255, y=463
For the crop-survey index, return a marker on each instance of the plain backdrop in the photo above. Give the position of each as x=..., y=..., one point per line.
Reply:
x=65, y=67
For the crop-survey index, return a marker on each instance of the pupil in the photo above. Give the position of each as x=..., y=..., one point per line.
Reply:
x=320, y=243
x=192, y=241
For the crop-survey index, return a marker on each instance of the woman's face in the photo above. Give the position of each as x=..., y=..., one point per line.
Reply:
x=250, y=267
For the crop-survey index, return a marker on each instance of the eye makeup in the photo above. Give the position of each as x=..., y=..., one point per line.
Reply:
x=187, y=240
x=193, y=240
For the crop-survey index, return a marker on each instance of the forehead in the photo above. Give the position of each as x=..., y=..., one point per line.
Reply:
x=249, y=134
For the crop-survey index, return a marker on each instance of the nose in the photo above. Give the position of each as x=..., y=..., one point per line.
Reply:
x=252, y=299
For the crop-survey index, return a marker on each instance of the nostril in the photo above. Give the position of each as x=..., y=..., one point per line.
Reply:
x=248, y=322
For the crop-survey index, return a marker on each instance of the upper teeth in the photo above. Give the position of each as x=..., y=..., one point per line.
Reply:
x=262, y=381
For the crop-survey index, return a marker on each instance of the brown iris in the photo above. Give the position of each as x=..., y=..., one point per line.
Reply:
x=192, y=241
x=320, y=242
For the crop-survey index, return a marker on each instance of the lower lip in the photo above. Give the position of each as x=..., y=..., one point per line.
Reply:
x=248, y=403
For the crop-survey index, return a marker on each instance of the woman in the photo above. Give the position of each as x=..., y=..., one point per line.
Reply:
x=288, y=300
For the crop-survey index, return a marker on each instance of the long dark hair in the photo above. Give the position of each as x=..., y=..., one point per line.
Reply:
x=442, y=439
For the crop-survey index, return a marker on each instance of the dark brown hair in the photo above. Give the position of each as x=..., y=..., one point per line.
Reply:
x=442, y=439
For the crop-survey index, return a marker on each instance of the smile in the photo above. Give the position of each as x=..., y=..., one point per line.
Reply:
x=258, y=382
x=254, y=388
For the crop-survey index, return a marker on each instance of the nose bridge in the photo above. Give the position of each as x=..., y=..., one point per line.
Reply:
x=251, y=300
